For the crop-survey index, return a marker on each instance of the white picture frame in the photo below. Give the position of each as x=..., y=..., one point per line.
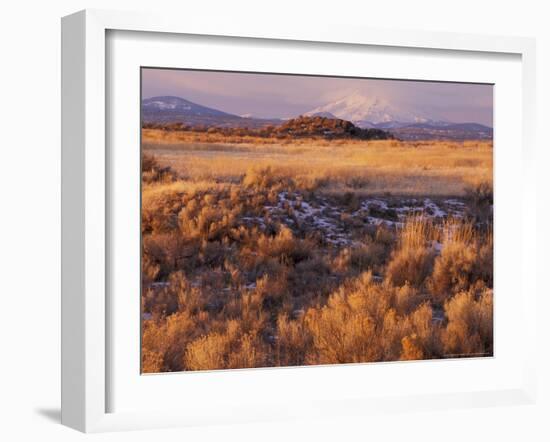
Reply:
x=85, y=210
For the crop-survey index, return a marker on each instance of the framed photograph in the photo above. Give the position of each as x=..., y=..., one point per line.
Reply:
x=266, y=223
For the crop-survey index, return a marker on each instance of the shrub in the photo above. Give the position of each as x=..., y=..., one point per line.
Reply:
x=411, y=349
x=230, y=349
x=407, y=298
x=469, y=331
x=422, y=335
x=207, y=353
x=169, y=251
x=250, y=352
x=265, y=178
x=149, y=270
x=412, y=261
x=466, y=257
x=152, y=172
x=176, y=295
x=364, y=321
x=341, y=334
x=410, y=266
x=366, y=256
x=163, y=343
x=188, y=298
x=294, y=341
x=480, y=201
x=283, y=246
x=159, y=209
x=347, y=328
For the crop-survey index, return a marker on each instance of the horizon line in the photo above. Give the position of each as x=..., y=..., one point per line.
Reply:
x=304, y=114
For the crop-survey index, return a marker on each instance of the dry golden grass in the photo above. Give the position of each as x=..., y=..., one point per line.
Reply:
x=371, y=167
x=219, y=292
x=412, y=260
x=470, y=328
x=359, y=320
x=466, y=259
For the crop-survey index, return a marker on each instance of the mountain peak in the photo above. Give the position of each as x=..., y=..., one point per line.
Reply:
x=168, y=104
x=359, y=107
x=165, y=102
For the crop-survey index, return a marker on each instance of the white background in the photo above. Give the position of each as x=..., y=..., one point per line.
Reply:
x=302, y=387
x=29, y=223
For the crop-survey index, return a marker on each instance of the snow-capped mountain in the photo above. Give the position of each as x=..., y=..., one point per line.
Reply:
x=177, y=105
x=169, y=109
x=371, y=111
x=364, y=111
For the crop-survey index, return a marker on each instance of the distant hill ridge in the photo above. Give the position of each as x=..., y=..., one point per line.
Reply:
x=172, y=110
x=179, y=106
x=300, y=127
x=320, y=126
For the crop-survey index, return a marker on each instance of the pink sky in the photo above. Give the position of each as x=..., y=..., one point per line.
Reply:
x=281, y=96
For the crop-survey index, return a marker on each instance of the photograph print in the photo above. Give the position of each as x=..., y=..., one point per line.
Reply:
x=296, y=220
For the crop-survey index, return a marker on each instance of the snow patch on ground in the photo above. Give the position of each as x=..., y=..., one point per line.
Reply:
x=335, y=222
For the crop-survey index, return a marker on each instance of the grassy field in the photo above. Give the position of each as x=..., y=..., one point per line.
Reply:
x=265, y=252
x=372, y=167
